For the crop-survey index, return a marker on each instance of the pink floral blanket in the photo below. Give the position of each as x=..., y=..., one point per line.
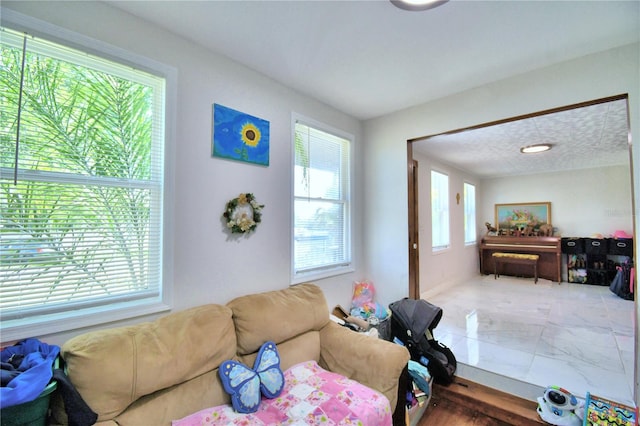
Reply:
x=311, y=396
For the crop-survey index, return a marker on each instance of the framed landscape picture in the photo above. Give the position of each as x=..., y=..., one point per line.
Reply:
x=517, y=217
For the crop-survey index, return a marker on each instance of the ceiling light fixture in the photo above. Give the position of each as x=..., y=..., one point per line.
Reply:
x=532, y=149
x=418, y=4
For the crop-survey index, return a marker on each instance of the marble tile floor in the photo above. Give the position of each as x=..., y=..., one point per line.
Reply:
x=576, y=336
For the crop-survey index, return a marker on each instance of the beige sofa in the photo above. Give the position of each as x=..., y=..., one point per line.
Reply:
x=156, y=372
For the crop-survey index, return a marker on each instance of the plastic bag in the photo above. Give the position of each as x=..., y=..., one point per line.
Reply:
x=363, y=303
x=621, y=285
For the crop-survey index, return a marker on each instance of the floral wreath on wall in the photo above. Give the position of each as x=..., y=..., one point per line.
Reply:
x=243, y=214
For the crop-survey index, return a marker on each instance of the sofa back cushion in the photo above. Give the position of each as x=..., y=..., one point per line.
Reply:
x=304, y=347
x=161, y=407
x=113, y=368
x=278, y=316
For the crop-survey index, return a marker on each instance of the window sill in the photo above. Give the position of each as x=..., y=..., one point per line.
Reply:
x=18, y=329
x=442, y=250
x=312, y=276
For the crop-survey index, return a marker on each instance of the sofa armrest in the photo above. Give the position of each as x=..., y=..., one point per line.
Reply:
x=374, y=362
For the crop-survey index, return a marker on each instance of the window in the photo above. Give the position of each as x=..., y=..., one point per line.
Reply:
x=469, y=213
x=81, y=187
x=321, y=234
x=439, y=211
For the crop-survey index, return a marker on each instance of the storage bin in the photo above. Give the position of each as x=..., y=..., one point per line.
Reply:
x=31, y=413
x=595, y=246
x=572, y=245
x=621, y=246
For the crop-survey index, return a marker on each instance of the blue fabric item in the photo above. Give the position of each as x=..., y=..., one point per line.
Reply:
x=36, y=370
x=245, y=384
x=420, y=375
x=7, y=373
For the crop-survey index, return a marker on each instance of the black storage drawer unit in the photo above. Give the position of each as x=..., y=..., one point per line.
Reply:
x=572, y=245
x=621, y=246
x=596, y=246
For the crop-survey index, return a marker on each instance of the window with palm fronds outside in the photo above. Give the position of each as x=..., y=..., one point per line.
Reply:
x=81, y=179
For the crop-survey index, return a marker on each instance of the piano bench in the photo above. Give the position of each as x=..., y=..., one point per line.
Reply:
x=500, y=258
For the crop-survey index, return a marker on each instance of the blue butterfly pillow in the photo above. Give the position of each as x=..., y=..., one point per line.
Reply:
x=245, y=385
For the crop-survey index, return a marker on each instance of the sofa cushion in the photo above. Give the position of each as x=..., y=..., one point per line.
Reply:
x=113, y=368
x=304, y=347
x=346, y=352
x=277, y=315
x=175, y=402
x=311, y=395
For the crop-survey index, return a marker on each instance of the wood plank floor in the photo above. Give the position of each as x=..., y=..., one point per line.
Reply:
x=465, y=403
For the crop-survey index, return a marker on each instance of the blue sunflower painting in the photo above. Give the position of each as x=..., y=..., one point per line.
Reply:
x=239, y=136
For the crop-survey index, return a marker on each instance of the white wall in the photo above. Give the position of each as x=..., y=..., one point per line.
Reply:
x=442, y=269
x=583, y=202
x=210, y=267
x=591, y=77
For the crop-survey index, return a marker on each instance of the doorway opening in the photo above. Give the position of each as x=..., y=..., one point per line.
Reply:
x=572, y=130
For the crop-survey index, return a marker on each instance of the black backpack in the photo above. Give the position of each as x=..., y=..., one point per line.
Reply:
x=412, y=324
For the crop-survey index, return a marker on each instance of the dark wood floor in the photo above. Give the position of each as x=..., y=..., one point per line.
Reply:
x=464, y=403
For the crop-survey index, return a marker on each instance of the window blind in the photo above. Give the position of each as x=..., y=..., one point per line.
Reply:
x=439, y=210
x=82, y=226
x=321, y=200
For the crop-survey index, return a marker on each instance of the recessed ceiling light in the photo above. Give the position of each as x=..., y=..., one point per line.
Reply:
x=418, y=4
x=532, y=149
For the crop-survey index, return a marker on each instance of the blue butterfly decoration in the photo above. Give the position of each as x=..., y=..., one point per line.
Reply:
x=245, y=384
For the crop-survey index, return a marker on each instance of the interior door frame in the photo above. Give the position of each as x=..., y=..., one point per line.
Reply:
x=414, y=246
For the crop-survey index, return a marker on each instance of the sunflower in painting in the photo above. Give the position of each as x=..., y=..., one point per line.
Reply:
x=250, y=134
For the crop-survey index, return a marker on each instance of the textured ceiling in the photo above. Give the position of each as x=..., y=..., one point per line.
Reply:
x=586, y=137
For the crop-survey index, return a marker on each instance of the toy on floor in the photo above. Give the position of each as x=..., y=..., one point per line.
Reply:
x=363, y=304
x=557, y=407
x=601, y=411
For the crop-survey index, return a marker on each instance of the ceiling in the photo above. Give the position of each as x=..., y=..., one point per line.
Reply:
x=368, y=58
x=581, y=138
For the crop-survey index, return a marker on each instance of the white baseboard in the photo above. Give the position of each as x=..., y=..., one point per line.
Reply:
x=515, y=387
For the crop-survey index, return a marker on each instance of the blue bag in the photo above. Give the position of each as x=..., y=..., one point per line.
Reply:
x=34, y=371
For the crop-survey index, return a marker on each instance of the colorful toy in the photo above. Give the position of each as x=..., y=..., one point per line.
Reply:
x=601, y=411
x=363, y=304
x=557, y=407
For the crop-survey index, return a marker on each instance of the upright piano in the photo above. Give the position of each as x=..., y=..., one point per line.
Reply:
x=548, y=248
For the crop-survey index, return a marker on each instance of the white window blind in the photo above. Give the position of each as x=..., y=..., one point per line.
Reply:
x=469, y=213
x=439, y=211
x=321, y=237
x=82, y=226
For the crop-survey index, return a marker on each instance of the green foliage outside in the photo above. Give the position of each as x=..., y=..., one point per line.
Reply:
x=77, y=222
